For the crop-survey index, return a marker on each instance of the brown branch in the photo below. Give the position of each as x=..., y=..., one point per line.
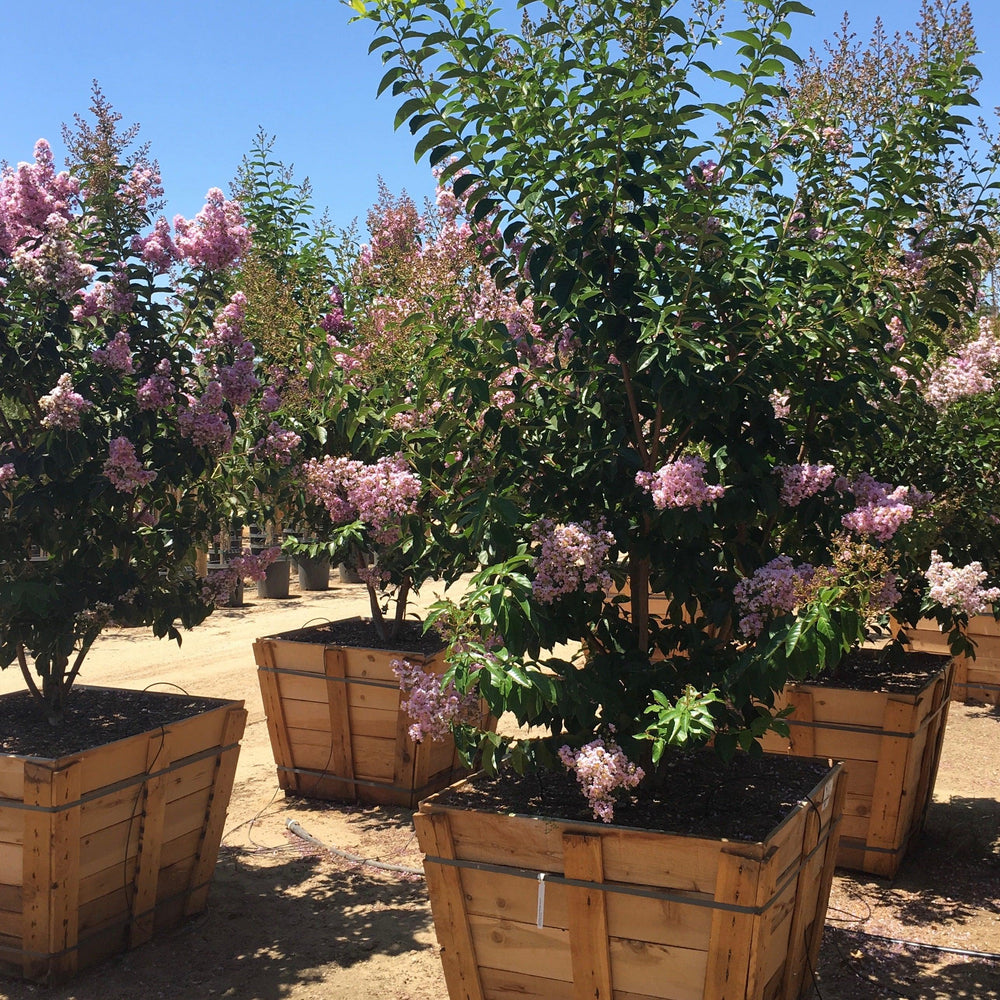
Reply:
x=636, y=423
x=22, y=662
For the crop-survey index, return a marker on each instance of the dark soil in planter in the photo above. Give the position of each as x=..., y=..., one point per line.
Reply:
x=361, y=633
x=94, y=717
x=698, y=794
x=867, y=670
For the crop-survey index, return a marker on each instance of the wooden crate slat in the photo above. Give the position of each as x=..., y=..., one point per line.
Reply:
x=11, y=897
x=106, y=881
x=639, y=968
x=152, y=804
x=732, y=932
x=125, y=759
x=834, y=809
x=588, y=918
x=806, y=888
x=404, y=756
x=215, y=817
x=538, y=951
x=12, y=863
x=452, y=922
x=341, y=758
x=51, y=861
x=11, y=827
x=501, y=984
x=12, y=778
x=274, y=711
x=637, y=918
x=801, y=734
x=886, y=824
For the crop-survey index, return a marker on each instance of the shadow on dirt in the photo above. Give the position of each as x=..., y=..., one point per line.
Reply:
x=856, y=965
x=252, y=941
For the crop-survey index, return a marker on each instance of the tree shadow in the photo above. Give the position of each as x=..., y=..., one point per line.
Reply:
x=951, y=874
x=855, y=965
x=274, y=920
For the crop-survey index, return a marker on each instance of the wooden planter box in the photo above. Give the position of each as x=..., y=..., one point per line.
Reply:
x=337, y=731
x=627, y=913
x=890, y=745
x=101, y=849
x=977, y=681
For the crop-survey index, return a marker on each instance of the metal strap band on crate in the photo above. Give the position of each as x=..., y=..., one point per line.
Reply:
x=323, y=677
x=854, y=844
x=126, y=919
x=665, y=895
x=136, y=779
x=843, y=727
x=327, y=776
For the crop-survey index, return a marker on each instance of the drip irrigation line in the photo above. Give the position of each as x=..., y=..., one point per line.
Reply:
x=990, y=956
x=295, y=827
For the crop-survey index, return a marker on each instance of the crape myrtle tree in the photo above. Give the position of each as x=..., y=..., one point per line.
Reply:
x=940, y=432
x=383, y=489
x=123, y=371
x=726, y=276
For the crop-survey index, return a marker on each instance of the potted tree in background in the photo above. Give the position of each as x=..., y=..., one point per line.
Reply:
x=692, y=260
x=123, y=368
x=374, y=494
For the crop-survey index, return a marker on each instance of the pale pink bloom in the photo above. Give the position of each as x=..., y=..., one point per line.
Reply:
x=773, y=590
x=602, y=769
x=123, y=467
x=117, y=353
x=799, y=482
x=433, y=707
x=571, y=556
x=63, y=406
x=217, y=236
x=680, y=485
x=960, y=587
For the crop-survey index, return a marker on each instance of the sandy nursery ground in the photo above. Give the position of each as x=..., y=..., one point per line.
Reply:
x=288, y=919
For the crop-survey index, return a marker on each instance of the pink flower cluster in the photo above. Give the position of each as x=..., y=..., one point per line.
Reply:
x=253, y=565
x=679, y=484
x=969, y=372
x=882, y=509
x=103, y=299
x=35, y=225
x=214, y=240
x=960, y=587
x=217, y=236
x=602, y=769
x=379, y=494
x=571, y=556
x=433, y=708
x=63, y=406
x=117, y=353
x=123, y=467
x=773, y=590
x=705, y=172
x=278, y=444
x=799, y=482
x=31, y=196
x=227, y=329
x=157, y=249
x=157, y=391
x=7, y=475
x=204, y=421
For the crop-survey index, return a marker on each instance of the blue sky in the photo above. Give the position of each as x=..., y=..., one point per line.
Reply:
x=202, y=77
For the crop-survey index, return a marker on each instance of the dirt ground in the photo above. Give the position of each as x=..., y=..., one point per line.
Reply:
x=288, y=920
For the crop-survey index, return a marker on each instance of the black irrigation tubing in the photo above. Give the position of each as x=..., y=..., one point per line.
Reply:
x=990, y=956
x=294, y=827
